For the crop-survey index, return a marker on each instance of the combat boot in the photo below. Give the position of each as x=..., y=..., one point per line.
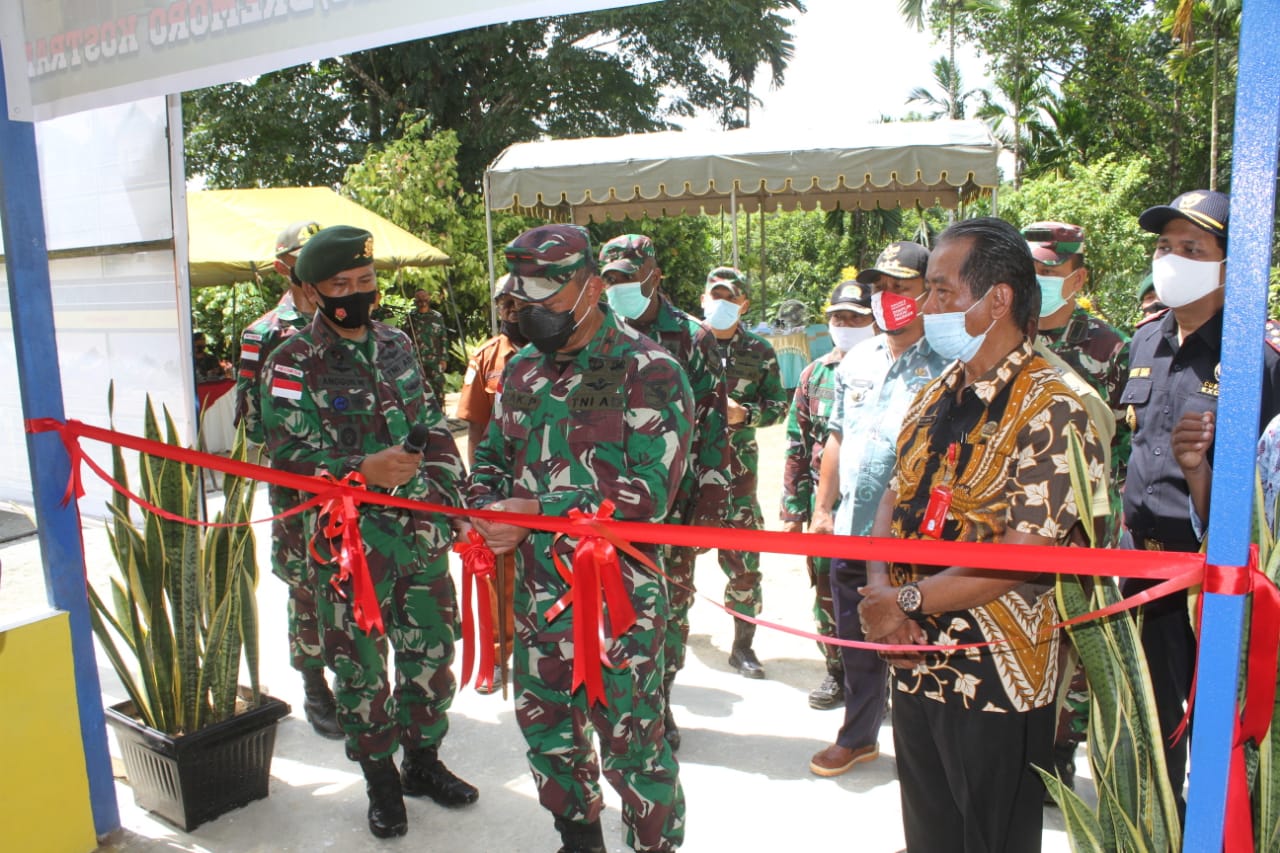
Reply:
x=580, y=837
x=387, y=817
x=320, y=706
x=670, y=730
x=742, y=658
x=423, y=774
x=830, y=693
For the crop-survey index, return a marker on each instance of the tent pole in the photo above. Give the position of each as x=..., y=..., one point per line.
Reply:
x=488, y=236
x=733, y=212
x=764, y=302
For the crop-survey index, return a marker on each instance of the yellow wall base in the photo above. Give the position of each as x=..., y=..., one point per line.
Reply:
x=44, y=791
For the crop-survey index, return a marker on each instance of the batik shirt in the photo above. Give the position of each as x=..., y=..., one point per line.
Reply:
x=327, y=402
x=609, y=422
x=1002, y=447
x=873, y=392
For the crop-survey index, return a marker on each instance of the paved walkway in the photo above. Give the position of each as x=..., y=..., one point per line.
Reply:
x=743, y=764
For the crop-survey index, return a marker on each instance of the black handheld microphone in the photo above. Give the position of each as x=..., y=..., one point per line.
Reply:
x=417, y=440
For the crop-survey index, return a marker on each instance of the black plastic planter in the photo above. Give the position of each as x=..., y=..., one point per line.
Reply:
x=191, y=779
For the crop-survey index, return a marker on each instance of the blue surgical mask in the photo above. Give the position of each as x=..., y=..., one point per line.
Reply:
x=628, y=300
x=1051, y=298
x=949, y=338
x=721, y=314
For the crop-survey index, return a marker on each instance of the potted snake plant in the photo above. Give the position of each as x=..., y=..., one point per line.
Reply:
x=182, y=613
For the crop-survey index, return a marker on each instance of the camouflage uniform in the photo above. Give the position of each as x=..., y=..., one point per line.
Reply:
x=751, y=368
x=431, y=342
x=1099, y=353
x=327, y=403
x=703, y=496
x=610, y=423
x=802, y=461
x=288, y=537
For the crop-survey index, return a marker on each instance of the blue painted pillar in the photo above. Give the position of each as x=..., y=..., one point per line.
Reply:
x=40, y=385
x=1248, y=261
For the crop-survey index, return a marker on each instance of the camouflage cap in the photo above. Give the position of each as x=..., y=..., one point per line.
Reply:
x=542, y=260
x=332, y=250
x=1208, y=209
x=730, y=277
x=903, y=259
x=625, y=254
x=850, y=296
x=293, y=237
x=502, y=286
x=1054, y=243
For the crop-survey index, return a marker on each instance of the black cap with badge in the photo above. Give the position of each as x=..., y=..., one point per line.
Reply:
x=903, y=259
x=1209, y=209
x=850, y=296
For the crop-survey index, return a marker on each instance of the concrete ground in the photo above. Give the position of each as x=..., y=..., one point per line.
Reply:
x=744, y=763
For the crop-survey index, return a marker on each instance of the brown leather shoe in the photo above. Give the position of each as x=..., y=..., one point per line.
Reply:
x=835, y=759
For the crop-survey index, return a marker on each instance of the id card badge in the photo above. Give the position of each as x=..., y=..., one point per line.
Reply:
x=935, y=514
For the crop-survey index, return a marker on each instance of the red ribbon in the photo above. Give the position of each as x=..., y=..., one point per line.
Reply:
x=1260, y=685
x=340, y=519
x=595, y=583
x=478, y=565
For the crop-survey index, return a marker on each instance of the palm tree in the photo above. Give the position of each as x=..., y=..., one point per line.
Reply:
x=952, y=100
x=1013, y=118
x=1223, y=18
x=761, y=37
x=914, y=13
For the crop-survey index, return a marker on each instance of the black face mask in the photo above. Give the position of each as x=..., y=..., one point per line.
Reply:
x=546, y=329
x=350, y=311
x=512, y=331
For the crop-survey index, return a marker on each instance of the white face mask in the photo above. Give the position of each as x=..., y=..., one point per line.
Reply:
x=1180, y=281
x=721, y=314
x=845, y=338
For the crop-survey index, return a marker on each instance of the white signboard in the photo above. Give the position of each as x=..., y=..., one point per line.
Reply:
x=78, y=54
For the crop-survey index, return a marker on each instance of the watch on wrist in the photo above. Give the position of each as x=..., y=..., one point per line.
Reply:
x=910, y=599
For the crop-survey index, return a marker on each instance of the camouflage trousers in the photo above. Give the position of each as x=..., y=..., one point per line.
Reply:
x=1073, y=709
x=678, y=563
x=419, y=611
x=824, y=613
x=558, y=725
x=289, y=563
x=742, y=594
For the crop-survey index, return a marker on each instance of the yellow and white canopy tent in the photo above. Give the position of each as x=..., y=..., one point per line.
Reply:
x=908, y=164
x=233, y=232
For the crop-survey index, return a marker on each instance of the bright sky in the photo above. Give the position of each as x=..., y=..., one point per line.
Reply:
x=855, y=60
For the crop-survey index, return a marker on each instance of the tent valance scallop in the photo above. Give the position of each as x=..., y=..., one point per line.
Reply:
x=673, y=172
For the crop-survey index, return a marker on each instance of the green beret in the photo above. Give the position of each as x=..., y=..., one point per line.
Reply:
x=332, y=250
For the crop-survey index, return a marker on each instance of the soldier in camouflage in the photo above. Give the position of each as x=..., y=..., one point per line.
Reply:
x=756, y=399
x=288, y=539
x=341, y=397
x=593, y=411
x=633, y=279
x=1099, y=353
x=425, y=327
x=849, y=320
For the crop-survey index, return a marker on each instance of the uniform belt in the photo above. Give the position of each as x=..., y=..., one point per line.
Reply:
x=1143, y=543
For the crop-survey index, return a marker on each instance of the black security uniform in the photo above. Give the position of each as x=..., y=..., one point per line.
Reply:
x=1165, y=381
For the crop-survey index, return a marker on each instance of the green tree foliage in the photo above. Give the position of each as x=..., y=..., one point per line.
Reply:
x=412, y=180
x=1105, y=198
x=618, y=71
x=288, y=128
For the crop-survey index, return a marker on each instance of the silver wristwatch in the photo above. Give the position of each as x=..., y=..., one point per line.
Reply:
x=910, y=599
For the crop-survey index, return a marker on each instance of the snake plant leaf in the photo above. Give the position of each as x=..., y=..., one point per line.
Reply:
x=182, y=602
x=1083, y=829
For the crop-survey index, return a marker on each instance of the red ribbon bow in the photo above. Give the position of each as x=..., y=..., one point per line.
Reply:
x=595, y=582
x=1260, y=691
x=478, y=563
x=340, y=519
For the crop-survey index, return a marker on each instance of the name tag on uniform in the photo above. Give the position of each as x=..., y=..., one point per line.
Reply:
x=1139, y=372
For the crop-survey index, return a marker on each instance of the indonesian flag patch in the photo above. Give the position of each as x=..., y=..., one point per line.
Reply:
x=290, y=389
x=249, y=352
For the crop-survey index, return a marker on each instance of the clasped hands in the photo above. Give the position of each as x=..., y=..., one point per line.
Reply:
x=883, y=621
